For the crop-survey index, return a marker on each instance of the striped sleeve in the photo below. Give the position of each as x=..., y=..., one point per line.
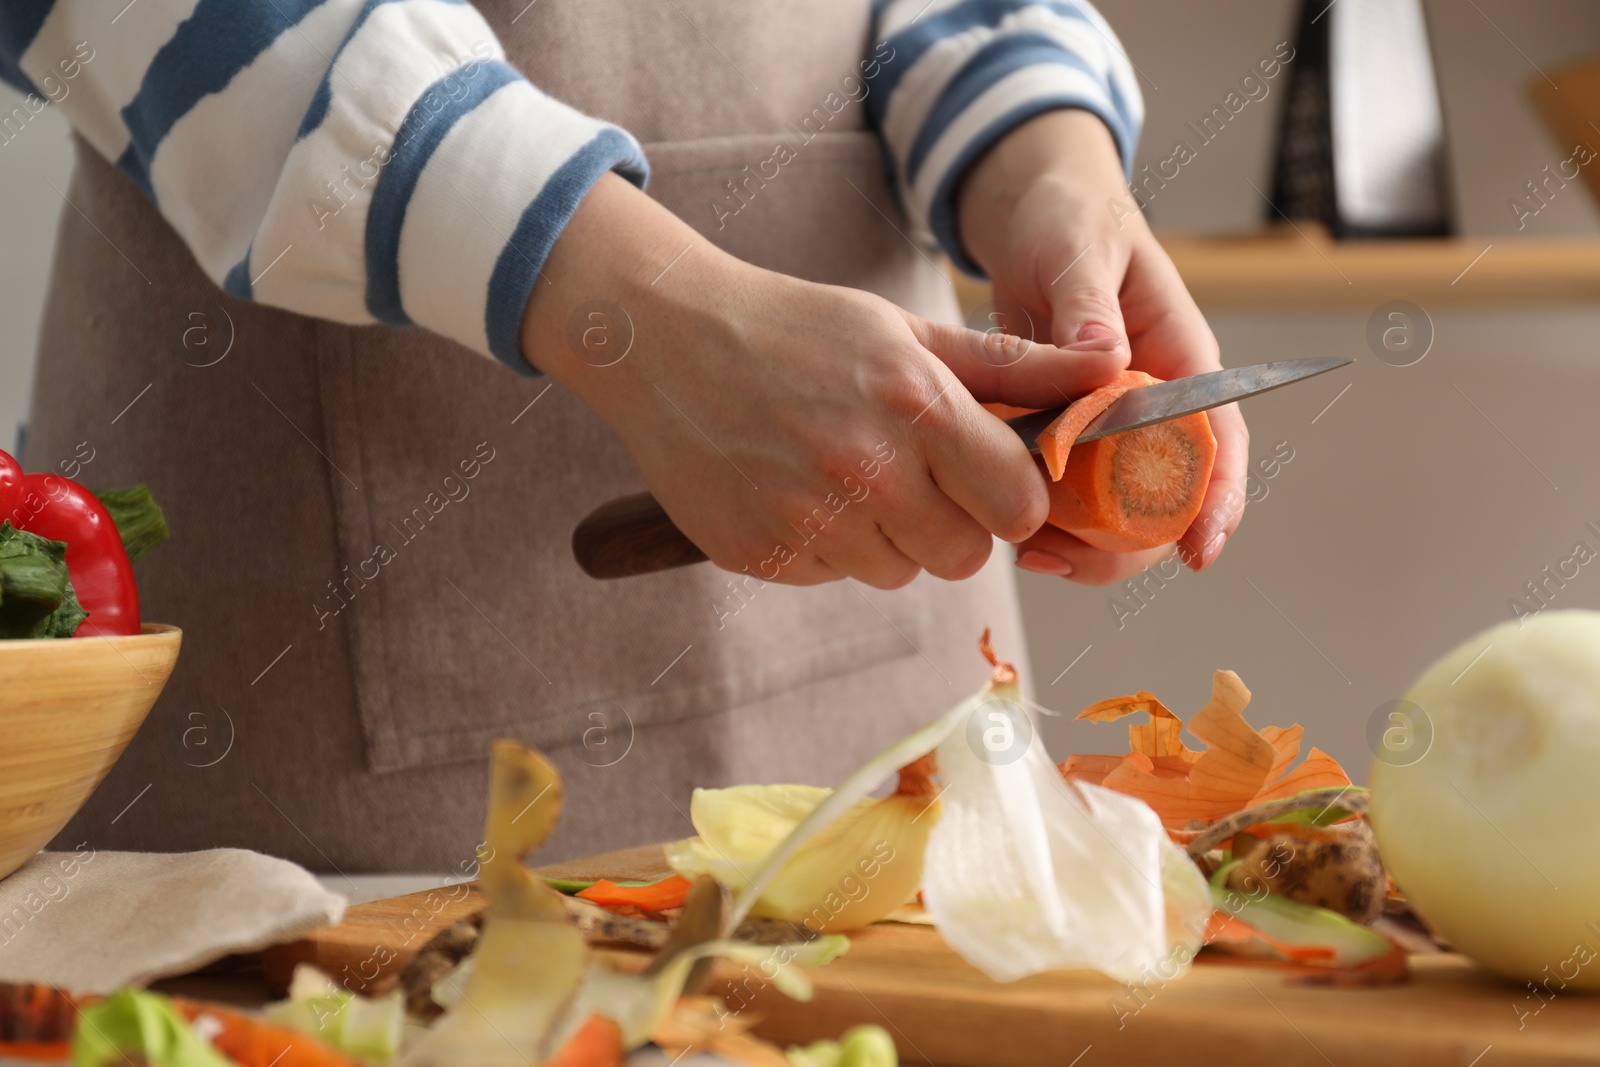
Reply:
x=954, y=76
x=365, y=161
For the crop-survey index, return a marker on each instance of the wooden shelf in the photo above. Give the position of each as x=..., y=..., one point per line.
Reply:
x=1286, y=269
x=1283, y=269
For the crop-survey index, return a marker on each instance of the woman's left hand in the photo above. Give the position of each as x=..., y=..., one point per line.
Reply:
x=1047, y=214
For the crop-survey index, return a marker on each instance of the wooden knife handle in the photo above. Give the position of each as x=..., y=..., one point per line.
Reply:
x=631, y=535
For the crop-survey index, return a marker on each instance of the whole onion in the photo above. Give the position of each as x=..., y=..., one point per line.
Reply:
x=1491, y=825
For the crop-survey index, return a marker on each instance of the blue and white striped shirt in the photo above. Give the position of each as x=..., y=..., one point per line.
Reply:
x=314, y=154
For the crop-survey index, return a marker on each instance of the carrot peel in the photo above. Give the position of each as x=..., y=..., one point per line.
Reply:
x=1055, y=440
x=597, y=1043
x=657, y=896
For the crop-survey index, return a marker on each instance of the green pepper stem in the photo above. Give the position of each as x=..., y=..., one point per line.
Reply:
x=138, y=518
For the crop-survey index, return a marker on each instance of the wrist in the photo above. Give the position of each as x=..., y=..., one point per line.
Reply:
x=625, y=280
x=1068, y=148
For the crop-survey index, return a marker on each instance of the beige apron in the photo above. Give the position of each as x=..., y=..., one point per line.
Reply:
x=335, y=700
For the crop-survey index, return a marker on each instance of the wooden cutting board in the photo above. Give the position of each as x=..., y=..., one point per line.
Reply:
x=942, y=1011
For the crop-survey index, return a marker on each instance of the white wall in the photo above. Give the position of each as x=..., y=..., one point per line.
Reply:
x=1405, y=521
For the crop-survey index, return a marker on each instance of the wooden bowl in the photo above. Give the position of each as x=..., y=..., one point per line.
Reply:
x=68, y=707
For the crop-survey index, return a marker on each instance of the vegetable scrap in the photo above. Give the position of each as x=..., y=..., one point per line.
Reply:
x=863, y=865
x=1129, y=865
x=665, y=895
x=44, y=1023
x=442, y=954
x=36, y=1022
x=132, y=1024
x=1239, y=768
x=517, y=984
x=1129, y=491
x=705, y=1023
x=1295, y=872
x=366, y=1028
x=860, y=1046
x=531, y=985
x=1333, y=867
x=1019, y=871
x=67, y=555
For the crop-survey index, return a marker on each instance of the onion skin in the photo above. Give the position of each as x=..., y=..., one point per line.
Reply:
x=1494, y=833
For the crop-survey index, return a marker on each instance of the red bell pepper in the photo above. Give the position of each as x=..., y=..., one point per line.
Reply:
x=62, y=510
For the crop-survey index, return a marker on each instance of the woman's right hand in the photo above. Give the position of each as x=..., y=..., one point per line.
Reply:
x=805, y=432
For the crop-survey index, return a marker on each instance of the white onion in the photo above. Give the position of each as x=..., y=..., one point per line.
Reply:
x=1494, y=832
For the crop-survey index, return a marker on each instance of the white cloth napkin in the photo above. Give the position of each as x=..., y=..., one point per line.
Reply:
x=91, y=922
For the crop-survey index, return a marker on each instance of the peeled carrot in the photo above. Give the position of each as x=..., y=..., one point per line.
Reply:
x=1129, y=491
x=658, y=896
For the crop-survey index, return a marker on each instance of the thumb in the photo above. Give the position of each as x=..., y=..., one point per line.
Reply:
x=1000, y=368
x=1083, y=301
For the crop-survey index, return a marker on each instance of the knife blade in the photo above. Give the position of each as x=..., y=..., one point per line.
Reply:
x=1181, y=396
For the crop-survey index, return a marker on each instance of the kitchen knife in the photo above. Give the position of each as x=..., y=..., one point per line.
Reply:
x=633, y=535
x=1179, y=397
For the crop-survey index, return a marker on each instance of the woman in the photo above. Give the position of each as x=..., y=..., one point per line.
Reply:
x=371, y=559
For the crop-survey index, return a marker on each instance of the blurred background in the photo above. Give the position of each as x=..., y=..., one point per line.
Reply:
x=1414, y=509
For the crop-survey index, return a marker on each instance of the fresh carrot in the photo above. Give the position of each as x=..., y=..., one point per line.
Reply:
x=1129, y=491
x=249, y=1042
x=597, y=1043
x=657, y=896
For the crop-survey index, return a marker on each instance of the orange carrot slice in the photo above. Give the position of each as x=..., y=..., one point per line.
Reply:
x=658, y=896
x=1055, y=442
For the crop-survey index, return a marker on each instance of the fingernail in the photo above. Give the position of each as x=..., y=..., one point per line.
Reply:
x=1094, y=331
x=1044, y=563
x=1096, y=344
x=1212, y=549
